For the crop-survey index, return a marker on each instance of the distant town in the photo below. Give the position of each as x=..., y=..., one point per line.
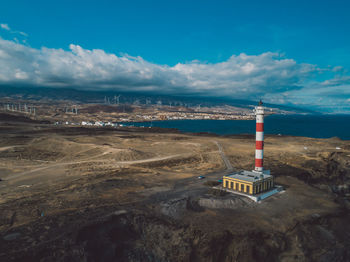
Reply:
x=85, y=108
x=112, y=115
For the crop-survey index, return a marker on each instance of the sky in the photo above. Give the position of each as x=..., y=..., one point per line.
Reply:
x=293, y=53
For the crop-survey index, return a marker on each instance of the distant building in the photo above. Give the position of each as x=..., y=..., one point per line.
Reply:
x=163, y=117
x=99, y=123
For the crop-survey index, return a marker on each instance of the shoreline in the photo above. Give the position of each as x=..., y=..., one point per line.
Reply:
x=323, y=127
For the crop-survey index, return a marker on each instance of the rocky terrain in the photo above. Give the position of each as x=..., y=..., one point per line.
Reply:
x=129, y=194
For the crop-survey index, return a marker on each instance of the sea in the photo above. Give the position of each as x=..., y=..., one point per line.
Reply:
x=315, y=126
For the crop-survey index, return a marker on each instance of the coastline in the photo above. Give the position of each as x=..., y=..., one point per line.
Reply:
x=323, y=126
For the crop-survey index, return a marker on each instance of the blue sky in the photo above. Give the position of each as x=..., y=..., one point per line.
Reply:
x=287, y=52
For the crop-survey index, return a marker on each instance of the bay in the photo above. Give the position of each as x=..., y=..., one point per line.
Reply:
x=316, y=126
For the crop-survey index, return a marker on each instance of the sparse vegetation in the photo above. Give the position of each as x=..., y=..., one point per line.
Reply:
x=72, y=189
x=211, y=183
x=217, y=192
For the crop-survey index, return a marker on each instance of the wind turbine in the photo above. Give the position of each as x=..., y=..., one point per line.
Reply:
x=117, y=97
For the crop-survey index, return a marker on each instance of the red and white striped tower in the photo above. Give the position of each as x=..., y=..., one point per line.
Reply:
x=259, y=145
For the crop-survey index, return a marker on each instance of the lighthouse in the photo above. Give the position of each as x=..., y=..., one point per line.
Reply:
x=259, y=138
x=258, y=183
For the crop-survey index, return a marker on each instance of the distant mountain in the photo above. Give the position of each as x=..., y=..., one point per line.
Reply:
x=110, y=97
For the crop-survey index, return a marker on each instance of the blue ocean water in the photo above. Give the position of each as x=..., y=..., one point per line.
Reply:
x=316, y=126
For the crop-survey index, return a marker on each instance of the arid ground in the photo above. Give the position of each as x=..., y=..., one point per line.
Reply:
x=133, y=194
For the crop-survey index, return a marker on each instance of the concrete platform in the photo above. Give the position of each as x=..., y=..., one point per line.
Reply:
x=256, y=198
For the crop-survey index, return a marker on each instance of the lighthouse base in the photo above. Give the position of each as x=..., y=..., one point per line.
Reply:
x=257, y=197
x=249, y=182
x=264, y=172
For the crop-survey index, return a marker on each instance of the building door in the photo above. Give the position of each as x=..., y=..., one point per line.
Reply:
x=231, y=185
x=226, y=183
x=242, y=187
x=248, y=189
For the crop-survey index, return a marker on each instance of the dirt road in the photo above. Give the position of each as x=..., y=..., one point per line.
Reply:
x=224, y=158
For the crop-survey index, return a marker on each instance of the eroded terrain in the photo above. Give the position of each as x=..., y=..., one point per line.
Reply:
x=99, y=194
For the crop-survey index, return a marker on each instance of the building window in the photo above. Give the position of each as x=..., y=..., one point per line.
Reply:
x=242, y=187
x=232, y=185
x=248, y=189
x=226, y=183
x=237, y=185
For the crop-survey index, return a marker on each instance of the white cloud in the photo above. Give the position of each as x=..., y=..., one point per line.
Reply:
x=337, y=69
x=21, y=75
x=337, y=81
x=5, y=27
x=17, y=33
x=268, y=75
x=240, y=75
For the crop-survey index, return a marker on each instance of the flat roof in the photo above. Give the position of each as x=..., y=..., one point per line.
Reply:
x=249, y=176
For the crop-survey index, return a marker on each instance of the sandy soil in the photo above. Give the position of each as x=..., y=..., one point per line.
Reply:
x=89, y=194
